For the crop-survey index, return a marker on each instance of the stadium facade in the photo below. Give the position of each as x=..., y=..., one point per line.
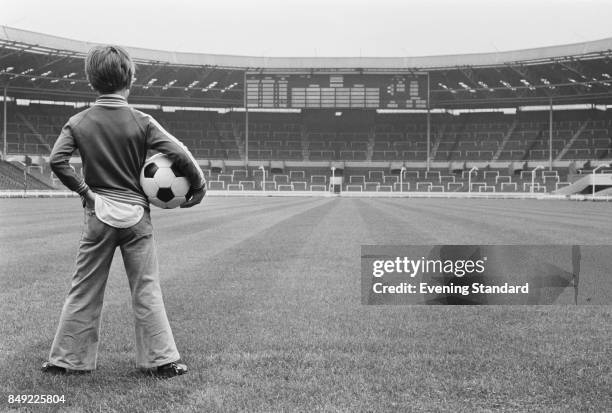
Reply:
x=531, y=120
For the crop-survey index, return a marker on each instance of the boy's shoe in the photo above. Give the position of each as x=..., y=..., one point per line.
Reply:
x=48, y=367
x=169, y=370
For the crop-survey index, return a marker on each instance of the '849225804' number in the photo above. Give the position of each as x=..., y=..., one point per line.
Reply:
x=36, y=398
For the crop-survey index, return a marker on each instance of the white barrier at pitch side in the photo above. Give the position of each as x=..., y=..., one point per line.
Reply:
x=49, y=193
x=414, y=194
x=326, y=194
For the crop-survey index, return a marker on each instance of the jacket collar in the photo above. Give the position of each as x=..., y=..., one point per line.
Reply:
x=111, y=100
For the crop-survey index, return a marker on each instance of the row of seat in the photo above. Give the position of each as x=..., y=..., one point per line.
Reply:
x=419, y=186
x=377, y=180
x=213, y=136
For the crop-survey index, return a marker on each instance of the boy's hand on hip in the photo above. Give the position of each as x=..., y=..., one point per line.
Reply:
x=196, y=198
x=89, y=200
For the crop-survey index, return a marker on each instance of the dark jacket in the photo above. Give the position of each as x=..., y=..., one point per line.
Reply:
x=113, y=140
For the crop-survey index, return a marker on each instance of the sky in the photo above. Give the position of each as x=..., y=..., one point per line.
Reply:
x=318, y=27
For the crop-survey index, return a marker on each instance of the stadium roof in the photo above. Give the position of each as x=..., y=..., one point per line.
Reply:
x=52, y=44
x=41, y=66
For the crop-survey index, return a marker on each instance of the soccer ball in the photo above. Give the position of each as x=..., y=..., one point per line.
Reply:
x=164, y=185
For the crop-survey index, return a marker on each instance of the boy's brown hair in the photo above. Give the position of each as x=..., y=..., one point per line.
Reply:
x=109, y=69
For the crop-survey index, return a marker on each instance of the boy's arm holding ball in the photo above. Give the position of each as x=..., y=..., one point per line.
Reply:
x=160, y=140
x=194, y=198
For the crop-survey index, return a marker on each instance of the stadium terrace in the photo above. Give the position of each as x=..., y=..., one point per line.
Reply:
x=518, y=123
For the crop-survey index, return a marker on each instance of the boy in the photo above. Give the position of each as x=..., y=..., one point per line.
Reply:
x=113, y=140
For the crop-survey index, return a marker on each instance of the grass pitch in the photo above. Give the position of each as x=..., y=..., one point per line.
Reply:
x=263, y=297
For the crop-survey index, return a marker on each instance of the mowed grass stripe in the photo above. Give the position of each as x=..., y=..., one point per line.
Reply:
x=565, y=211
x=390, y=225
x=563, y=222
x=569, y=212
x=444, y=227
x=415, y=221
x=201, y=242
x=499, y=227
x=51, y=214
x=201, y=219
x=29, y=219
x=61, y=236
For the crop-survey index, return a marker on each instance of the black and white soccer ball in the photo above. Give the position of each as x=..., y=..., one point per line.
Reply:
x=162, y=182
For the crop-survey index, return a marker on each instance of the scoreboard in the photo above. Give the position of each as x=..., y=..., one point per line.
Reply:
x=337, y=91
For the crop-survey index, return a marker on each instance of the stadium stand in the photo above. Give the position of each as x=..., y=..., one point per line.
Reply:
x=313, y=137
x=12, y=177
x=200, y=99
x=578, y=135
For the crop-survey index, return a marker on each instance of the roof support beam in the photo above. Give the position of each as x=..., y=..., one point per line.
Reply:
x=447, y=82
x=576, y=67
x=529, y=75
x=206, y=73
